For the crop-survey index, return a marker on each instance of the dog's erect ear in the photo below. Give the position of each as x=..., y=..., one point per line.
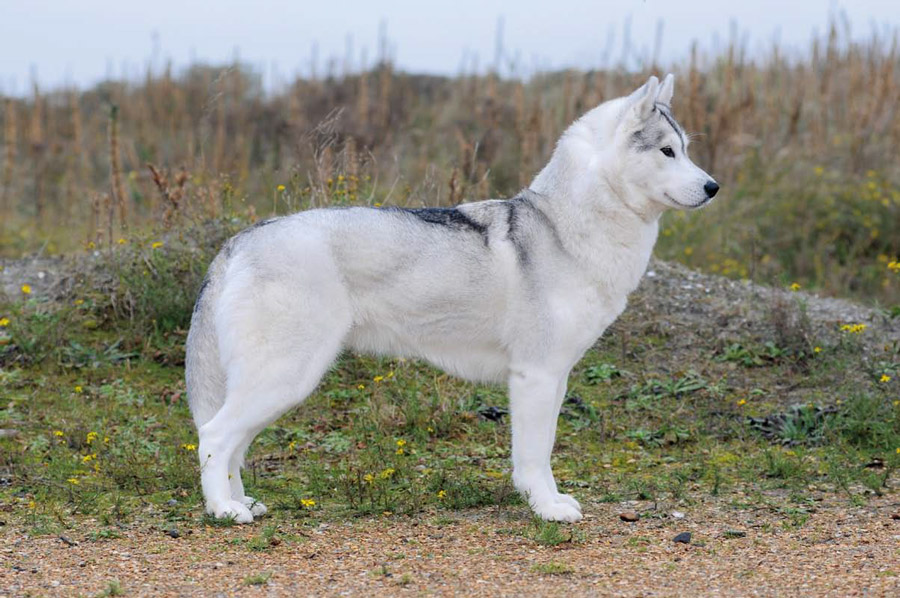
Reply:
x=666, y=90
x=644, y=97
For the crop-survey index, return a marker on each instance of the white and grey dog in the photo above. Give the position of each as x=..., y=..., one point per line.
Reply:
x=510, y=291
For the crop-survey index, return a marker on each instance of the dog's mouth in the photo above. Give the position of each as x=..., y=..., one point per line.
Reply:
x=685, y=205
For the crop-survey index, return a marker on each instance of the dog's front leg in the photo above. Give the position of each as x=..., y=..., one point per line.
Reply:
x=534, y=406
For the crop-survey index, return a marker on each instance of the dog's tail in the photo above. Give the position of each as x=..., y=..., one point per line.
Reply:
x=204, y=376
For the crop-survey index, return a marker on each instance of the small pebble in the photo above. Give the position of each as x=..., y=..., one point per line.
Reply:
x=677, y=515
x=629, y=516
x=683, y=538
x=173, y=533
x=171, y=502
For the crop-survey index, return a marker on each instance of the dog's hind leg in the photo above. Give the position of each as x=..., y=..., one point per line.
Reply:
x=534, y=405
x=257, y=509
x=248, y=409
x=277, y=339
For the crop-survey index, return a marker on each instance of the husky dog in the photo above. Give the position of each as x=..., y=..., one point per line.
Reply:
x=511, y=291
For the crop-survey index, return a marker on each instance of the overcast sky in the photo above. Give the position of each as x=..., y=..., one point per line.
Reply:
x=84, y=41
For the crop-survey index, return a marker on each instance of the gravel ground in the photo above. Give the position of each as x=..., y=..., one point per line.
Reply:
x=680, y=297
x=839, y=551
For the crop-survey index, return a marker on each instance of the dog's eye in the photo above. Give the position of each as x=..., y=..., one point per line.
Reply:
x=667, y=151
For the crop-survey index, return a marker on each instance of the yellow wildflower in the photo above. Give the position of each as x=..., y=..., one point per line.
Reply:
x=307, y=502
x=853, y=328
x=369, y=478
x=189, y=447
x=795, y=286
x=78, y=389
x=385, y=474
x=441, y=494
x=688, y=250
x=894, y=266
x=378, y=378
x=91, y=437
x=742, y=402
x=377, y=205
x=280, y=187
x=89, y=458
x=817, y=350
x=121, y=241
x=91, y=245
x=26, y=289
x=73, y=481
x=292, y=445
x=4, y=322
x=361, y=387
x=819, y=170
x=58, y=433
x=401, y=443
x=884, y=378
x=156, y=245
x=78, y=302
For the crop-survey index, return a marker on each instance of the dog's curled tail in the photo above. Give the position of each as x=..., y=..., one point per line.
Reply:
x=204, y=376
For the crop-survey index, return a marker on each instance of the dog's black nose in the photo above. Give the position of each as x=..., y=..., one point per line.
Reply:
x=711, y=188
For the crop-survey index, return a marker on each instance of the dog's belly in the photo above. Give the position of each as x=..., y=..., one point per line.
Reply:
x=456, y=352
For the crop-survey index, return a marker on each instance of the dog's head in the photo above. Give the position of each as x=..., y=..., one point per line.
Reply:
x=636, y=147
x=653, y=150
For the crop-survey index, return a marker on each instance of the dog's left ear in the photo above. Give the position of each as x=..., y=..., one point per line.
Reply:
x=666, y=90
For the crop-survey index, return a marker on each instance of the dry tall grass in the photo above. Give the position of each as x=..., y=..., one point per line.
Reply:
x=805, y=151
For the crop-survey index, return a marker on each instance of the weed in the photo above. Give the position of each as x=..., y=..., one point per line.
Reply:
x=266, y=540
x=104, y=534
x=551, y=533
x=603, y=372
x=113, y=588
x=258, y=579
x=553, y=568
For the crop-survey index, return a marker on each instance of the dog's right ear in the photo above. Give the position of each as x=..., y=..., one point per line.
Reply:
x=643, y=98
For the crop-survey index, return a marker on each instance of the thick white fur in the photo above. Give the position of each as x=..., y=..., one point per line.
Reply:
x=517, y=302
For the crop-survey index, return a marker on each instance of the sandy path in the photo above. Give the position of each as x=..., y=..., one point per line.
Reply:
x=838, y=551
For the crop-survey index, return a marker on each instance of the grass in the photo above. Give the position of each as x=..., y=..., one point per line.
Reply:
x=105, y=434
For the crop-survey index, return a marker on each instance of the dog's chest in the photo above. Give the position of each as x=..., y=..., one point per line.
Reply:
x=587, y=304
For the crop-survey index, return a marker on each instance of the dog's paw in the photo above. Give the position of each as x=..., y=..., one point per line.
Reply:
x=557, y=511
x=568, y=500
x=231, y=509
x=257, y=509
